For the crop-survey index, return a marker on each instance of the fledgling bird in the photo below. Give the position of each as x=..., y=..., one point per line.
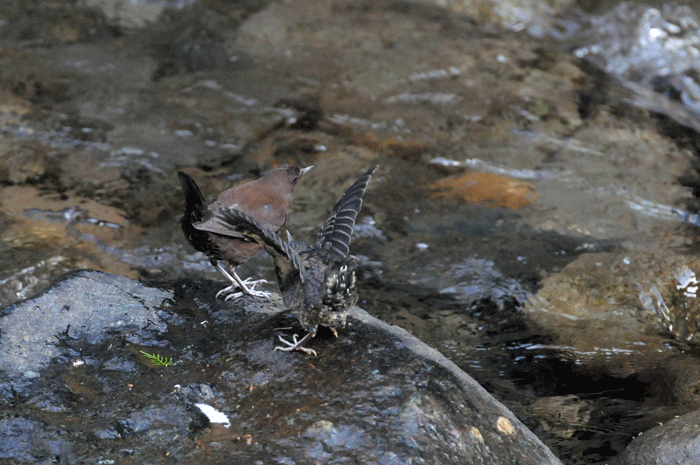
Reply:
x=266, y=200
x=317, y=283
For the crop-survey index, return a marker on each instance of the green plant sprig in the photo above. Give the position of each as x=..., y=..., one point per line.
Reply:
x=157, y=359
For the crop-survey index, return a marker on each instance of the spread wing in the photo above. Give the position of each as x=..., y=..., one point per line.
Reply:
x=334, y=237
x=286, y=259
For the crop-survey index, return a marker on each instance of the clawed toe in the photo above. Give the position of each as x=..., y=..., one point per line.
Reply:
x=296, y=345
x=233, y=295
x=242, y=292
x=229, y=290
x=235, y=291
x=246, y=286
x=259, y=294
x=252, y=283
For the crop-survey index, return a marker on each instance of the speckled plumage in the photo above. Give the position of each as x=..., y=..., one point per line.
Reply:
x=317, y=283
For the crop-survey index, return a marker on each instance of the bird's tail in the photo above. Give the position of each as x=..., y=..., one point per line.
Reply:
x=194, y=201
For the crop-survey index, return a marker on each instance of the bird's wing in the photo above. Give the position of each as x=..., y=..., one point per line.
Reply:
x=286, y=259
x=334, y=237
x=256, y=200
x=213, y=225
x=267, y=215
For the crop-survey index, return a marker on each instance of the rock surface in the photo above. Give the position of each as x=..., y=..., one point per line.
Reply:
x=675, y=442
x=616, y=311
x=86, y=306
x=374, y=395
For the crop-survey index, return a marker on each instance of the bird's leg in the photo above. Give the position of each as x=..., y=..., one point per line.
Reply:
x=249, y=290
x=233, y=285
x=296, y=345
x=236, y=282
x=252, y=283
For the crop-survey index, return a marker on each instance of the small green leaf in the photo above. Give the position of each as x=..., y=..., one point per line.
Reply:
x=157, y=359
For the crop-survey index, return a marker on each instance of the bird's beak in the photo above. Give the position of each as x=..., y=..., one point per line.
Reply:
x=303, y=171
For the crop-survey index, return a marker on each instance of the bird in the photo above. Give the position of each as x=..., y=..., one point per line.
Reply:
x=266, y=200
x=317, y=282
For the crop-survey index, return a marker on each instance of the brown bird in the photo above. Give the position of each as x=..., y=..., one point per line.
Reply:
x=266, y=199
x=317, y=282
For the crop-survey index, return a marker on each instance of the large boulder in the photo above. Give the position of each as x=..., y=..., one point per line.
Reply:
x=86, y=367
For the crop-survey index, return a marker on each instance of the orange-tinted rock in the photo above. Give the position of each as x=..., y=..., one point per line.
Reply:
x=486, y=188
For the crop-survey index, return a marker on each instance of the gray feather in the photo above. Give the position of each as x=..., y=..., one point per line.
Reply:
x=336, y=233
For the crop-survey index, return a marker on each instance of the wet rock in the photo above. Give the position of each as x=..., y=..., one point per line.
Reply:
x=675, y=442
x=534, y=16
x=45, y=236
x=84, y=129
x=267, y=26
x=304, y=110
x=26, y=441
x=374, y=395
x=130, y=14
x=195, y=46
x=10, y=103
x=487, y=188
x=86, y=305
x=49, y=25
x=21, y=163
x=625, y=313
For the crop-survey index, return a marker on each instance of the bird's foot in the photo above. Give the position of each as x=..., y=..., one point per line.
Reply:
x=250, y=291
x=296, y=345
x=252, y=283
x=230, y=291
x=235, y=291
x=238, y=283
